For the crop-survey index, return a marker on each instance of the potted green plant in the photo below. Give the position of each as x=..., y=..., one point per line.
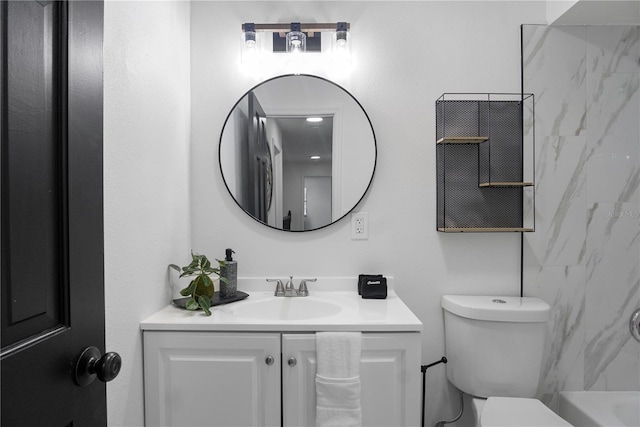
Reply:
x=201, y=289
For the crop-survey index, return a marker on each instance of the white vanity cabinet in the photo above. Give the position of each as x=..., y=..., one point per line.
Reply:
x=200, y=378
x=389, y=379
x=211, y=378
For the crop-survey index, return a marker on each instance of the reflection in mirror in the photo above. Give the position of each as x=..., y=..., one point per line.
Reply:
x=297, y=152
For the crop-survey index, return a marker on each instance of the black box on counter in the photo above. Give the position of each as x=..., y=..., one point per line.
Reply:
x=372, y=286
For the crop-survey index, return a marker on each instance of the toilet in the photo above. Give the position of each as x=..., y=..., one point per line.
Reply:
x=494, y=347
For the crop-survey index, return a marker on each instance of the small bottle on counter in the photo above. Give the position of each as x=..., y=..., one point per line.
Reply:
x=229, y=271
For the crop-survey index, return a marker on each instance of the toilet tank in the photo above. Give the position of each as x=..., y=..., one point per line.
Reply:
x=494, y=345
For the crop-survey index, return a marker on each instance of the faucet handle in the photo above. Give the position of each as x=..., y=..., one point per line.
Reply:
x=303, y=290
x=279, y=288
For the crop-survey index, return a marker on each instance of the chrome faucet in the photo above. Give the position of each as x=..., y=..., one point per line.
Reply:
x=302, y=289
x=279, y=288
x=289, y=289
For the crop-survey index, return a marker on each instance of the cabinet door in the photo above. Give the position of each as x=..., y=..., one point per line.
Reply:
x=212, y=379
x=389, y=375
x=299, y=381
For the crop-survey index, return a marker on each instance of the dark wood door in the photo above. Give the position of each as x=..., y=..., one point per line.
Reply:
x=257, y=167
x=52, y=212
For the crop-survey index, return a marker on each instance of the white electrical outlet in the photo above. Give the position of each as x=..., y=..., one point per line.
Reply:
x=359, y=226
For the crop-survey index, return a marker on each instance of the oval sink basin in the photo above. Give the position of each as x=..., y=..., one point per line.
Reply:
x=283, y=308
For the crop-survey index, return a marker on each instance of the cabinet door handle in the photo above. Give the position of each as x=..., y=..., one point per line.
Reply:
x=269, y=360
x=292, y=361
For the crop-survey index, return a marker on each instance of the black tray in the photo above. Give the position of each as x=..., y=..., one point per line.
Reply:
x=215, y=300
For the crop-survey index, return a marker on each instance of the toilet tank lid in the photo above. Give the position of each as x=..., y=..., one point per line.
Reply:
x=497, y=308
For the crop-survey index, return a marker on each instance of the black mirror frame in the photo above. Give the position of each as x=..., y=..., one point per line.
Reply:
x=375, y=147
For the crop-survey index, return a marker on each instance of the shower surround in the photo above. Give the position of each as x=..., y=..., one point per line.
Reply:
x=585, y=253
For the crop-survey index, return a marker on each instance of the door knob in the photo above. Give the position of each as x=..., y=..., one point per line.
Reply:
x=292, y=361
x=91, y=364
x=269, y=360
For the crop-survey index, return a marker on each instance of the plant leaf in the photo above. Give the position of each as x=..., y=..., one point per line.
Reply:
x=187, y=271
x=197, y=281
x=189, y=289
x=175, y=267
x=210, y=271
x=206, y=280
x=191, y=304
x=224, y=279
x=205, y=303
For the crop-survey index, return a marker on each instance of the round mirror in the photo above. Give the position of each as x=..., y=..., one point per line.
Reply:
x=297, y=152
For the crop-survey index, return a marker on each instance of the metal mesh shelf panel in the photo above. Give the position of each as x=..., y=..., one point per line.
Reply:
x=479, y=183
x=460, y=118
x=501, y=158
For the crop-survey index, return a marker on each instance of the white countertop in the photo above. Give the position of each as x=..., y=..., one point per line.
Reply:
x=355, y=313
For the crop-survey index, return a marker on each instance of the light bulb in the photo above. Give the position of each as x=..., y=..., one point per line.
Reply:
x=296, y=42
x=250, y=46
x=341, y=49
x=341, y=39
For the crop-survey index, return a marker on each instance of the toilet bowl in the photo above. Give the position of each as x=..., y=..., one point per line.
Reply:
x=494, y=347
x=514, y=412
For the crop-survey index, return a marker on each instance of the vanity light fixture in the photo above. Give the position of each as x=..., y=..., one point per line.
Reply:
x=341, y=46
x=341, y=35
x=250, y=35
x=315, y=157
x=250, y=48
x=295, y=38
x=314, y=119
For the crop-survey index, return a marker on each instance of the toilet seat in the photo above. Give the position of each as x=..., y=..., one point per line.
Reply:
x=518, y=412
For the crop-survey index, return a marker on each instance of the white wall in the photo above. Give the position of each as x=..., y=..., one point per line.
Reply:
x=406, y=54
x=593, y=12
x=230, y=151
x=146, y=178
x=557, y=8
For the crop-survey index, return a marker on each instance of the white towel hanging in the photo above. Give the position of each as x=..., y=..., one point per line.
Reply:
x=338, y=379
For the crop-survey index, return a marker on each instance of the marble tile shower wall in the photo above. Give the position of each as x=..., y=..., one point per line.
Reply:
x=585, y=253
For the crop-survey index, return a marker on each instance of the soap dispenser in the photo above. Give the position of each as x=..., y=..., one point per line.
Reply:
x=228, y=271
